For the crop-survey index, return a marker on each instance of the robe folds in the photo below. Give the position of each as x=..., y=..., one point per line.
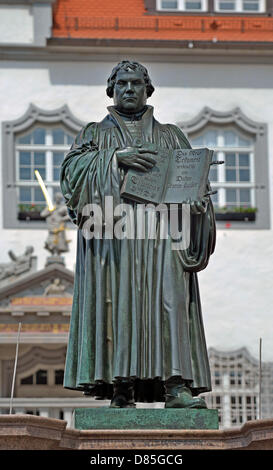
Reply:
x=136, y=308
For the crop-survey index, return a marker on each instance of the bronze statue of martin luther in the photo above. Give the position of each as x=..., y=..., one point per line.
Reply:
x=136, y=331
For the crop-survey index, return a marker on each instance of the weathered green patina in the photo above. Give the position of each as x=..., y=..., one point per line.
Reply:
x=136, y=308
x=107, y=418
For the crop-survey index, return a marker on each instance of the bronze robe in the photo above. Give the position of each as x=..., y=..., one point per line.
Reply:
x=136, y=308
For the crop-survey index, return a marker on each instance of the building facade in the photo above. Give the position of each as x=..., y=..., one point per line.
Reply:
x=242, y=388
x=211, y=64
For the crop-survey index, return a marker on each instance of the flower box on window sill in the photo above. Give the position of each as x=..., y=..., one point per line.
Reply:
x=30, y=212
x=30, y=215
x=240, y=215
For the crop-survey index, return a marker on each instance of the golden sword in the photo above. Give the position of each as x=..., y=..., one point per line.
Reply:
x=50, y=205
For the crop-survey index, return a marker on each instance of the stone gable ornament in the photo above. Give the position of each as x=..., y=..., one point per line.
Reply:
x=55, y=288
x=19, y=264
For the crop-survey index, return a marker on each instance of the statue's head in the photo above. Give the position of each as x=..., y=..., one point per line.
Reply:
x=58, y=197
x=129, y=85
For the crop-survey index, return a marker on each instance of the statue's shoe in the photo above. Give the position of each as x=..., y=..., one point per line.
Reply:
x=181, y=397
x=182, y=402
x=120, y=401
x=123, y=396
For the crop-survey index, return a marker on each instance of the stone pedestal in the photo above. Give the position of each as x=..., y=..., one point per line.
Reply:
x=134, y=418
x=54, y=259
x=27, y=432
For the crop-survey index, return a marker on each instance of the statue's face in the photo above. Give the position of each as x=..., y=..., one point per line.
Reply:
x=130, y=91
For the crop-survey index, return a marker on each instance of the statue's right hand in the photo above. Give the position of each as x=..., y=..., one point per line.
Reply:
x=137, y=158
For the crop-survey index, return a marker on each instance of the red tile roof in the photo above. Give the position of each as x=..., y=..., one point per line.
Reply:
x=126, y=19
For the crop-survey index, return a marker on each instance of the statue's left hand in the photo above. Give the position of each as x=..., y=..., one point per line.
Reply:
x=198, y=207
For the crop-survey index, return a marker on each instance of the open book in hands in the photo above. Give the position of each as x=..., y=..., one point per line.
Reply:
x=178, y=176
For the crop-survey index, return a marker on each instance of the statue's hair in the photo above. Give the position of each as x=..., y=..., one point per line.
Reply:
x=129, y=65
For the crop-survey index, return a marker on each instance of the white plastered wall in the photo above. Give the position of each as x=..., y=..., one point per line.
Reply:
x=236, y=287
x=16, y=24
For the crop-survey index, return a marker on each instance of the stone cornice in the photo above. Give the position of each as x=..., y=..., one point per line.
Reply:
x=208, y=115
x=78, y=50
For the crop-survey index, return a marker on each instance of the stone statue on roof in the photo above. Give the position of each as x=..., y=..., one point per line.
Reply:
x=18, y=265
x=56, y=242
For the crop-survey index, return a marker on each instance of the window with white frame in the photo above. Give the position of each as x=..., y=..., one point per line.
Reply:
x=182, y=5
x=42, y=148
x=235, y=395
x=242, y=182
x=235, y=179
x=216, y=402
x=237, y=6
x=38, y=140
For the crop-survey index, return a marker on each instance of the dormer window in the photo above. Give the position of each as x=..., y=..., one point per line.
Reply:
x=240, y=6
x=182, y=5
x=218, y=6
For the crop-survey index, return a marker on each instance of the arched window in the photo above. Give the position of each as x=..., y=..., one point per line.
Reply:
x=42, y=148
x=242, y=183
x=235, y=179
x=39, y=141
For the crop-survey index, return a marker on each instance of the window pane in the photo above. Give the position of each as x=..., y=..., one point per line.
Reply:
x=230, y=138
x=27, y=380
x=24, y=158
x=197, y=141
x=25, y=194
x=39, y=136
x=69, y=139
x=192, y=5
x=58, y=158
x=211, y=138
x=58, y=136
x=25, y=173
x=38, y=195
x=231, y=195
x=243, y=159
x=42, y=172
x=251, y=6
x=244, y=175
x=56, y=174
x=244, y=195
x=59, y=377
x=39, y=158
x=41, y=377
x=230, y=159
x=26, y=139
x=226, y=5
x=244, y=142
x=171, y=4
x=230, y=175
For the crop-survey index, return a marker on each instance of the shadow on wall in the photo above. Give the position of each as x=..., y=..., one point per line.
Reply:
x=186, y=75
